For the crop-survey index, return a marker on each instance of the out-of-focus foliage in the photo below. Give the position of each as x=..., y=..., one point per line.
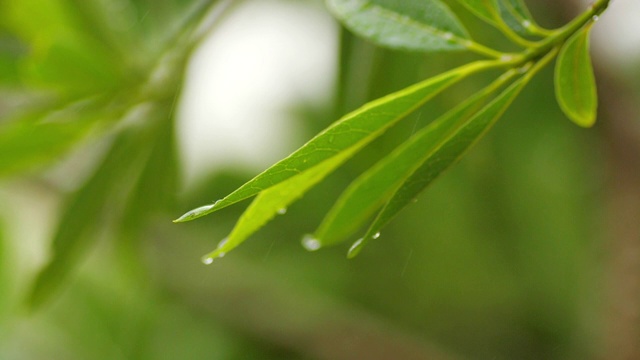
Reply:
x=499, y=260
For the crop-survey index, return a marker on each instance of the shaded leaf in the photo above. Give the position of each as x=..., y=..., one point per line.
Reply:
x=374, y=187
x=574, y=80
x=82, y=218
x=347, y=135
x=422, y=25
x=487, y=10
x=448, y=153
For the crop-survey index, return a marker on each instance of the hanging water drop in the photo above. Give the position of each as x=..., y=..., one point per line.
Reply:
x=222, y=242
x=595, y=18
x=197, y=212
x=282, y=211
x=376, y=235
x=354, y=250
x=207, y=260
x=310, y=243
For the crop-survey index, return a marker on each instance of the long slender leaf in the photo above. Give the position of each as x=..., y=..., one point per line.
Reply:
x=574, y=80
x=423, y=25
x=449, y=152
x=75, y=235
x=374, y=187
x=346, y=136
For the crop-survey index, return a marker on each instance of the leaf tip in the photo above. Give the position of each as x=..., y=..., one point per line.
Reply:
x=195, y=213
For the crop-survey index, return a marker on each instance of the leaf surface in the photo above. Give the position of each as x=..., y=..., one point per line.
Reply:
x=344, y=137
x=448, y=153
x=374, y=187
x=419, y=25
x=574, y=80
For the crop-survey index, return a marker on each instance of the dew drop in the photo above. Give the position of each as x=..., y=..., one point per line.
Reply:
x=282, y=211
x=222, y=242
x=207, y=260
x=506, y=57
x=310, y=243
x=355, y=248
x=447, y=36
x=195, y=213
x=526, y=24
x=376, y=235
x=222, y=254
x=595, y=18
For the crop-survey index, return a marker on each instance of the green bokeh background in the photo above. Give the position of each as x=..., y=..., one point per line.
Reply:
x=504, y=257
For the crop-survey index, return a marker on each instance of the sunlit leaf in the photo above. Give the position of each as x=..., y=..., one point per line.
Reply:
x=422, y=25
x=347, y=135
x=374, y=187
x=448, y=153
x=574, y=80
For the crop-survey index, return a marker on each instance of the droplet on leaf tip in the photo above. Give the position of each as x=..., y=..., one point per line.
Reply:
x=376, y=235
x=354, y=250
x=310, y=243
x=207, y=260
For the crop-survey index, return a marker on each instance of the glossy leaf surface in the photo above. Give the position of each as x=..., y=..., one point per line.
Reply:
x=346, y=136
x=373, y=188
x=574, y=80
x=420, y=25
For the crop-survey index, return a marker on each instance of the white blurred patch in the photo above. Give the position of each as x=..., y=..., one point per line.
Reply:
x=616, y=36
x=264, y=57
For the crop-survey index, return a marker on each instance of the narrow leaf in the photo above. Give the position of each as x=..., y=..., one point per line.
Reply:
x=348, y=135
x=448, y=153
x=421, y=25
x=374, y=187
x=574, y=80
x=74, y=237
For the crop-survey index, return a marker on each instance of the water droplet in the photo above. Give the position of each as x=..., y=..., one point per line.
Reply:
x=506, y=57
x=526, y=24
x=354, y=250
x=207, y=260
x=222, y=242
x=447, y=36
x=310, y=243
x=197, y=212
x=282, y=211
x=376, y=235
x=523, y=69
x=595, y=18
x=222, y=254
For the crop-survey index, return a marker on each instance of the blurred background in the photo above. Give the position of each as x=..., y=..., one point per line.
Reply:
x=116, y=116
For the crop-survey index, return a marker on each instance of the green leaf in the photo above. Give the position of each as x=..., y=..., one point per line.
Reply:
x=487, y=10
x=78, y=229
x=346, y=136
x=374, y=187
x=421, y=25
x=574, y=80
x=447, y=153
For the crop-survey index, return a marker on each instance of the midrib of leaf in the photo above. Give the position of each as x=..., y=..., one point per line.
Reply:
x=410, y=22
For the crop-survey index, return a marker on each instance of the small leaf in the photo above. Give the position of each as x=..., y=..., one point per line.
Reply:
x=574, y=80
x=374, y=187
x=347, y=135
x=420, y=25
x=449, y=153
